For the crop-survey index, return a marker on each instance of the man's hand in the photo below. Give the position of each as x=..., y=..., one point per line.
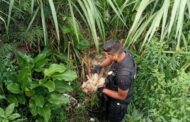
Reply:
x=101, y=82
x=96, y=69
x=100, y=89
x=100, y=85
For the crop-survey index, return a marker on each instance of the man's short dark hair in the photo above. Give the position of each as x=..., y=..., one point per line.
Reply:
x=112, y=46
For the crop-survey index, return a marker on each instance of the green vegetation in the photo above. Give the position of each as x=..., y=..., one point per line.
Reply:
x=43, y=42
x=8, y=115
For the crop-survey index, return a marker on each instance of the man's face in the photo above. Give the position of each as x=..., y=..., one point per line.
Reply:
x=110, y=56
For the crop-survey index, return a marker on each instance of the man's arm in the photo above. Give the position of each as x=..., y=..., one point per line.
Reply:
x=124, y=84
x=106, y=62
x=120, y=94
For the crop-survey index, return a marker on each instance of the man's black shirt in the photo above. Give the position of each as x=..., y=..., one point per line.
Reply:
x=121, y=76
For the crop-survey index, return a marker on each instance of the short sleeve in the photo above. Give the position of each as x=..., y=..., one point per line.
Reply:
x=124, y=82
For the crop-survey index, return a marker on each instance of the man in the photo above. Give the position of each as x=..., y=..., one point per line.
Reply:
x=117, y=87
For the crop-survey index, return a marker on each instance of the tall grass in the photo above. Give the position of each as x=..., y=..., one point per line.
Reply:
x=91, y=16
x=9, y=15
x=54, y=15
x=165, y=20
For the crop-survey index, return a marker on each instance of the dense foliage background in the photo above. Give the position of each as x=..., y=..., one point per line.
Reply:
x=43, y=44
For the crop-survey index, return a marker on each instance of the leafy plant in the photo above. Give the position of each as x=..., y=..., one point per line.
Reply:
x=7, y=115
x=39, y=87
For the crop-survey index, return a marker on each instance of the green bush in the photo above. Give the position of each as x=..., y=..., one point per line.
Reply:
x=39, y=85
x=162, y=86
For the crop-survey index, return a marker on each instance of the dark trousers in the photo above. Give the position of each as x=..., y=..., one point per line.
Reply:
x=112, y=111
x=116, y=111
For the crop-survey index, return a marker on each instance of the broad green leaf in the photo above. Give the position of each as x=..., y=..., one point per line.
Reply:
x=25, y=77
x=2, y=97
x=82, y=44
x=34, y=84
x=58, y=99
x=29, y=93
x=40, y=61
x=9, y=110
x=54, y=68
x=2, y=113
x=67, y=30
x=14, y=88
x=62, y=87
x=38, y=100
x=5, y=120
x=24, y=60
x=45, y=112
x=33, y=107
x=50, y=85
x=21, y=99
x=25, y=74
x=12, y=99
x=68, y=75
x=14, y=116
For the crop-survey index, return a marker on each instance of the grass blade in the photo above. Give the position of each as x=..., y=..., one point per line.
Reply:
x=73, y=20
x=185, y=41
x=43, y=23
x=141, y=30
x=78, y=10
x=188, y=6
x=1, y=18
x=116, y=10
x=173, y=15
x=165, y=15
x=33, y=18
x=9, y=15
x=89, y=13
x=32, y=6
x=152, y=29
x=180, y=22
x=97, y=18
x=53, y=11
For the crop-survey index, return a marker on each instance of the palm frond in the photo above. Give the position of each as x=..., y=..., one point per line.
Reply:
x=163, y=20
x=117, y=10
x=188, y=6
x=140, y=10
x=180, y=22
x=91, y=15
x=161, y=14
